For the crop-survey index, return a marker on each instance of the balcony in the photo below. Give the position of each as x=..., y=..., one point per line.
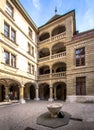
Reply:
x=54, y=38
x=55, y=56
x=53, y=75
x=59, y=55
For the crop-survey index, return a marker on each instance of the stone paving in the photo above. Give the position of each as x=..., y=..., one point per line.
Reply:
x=21, y=116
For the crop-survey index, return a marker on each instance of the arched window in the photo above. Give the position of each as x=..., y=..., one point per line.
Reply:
x=44, y=36
x=58, y=30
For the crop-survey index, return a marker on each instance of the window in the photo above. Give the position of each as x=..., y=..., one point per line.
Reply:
x=30, y=68
x=9, y=9
x=30, y=33
x=13, y=60
x=80, y=56
x=9, y=59
x=30, y=49
x=13, y=35
x=81, y=86
x=6, y=29
x=9, y=32
x=6, y=57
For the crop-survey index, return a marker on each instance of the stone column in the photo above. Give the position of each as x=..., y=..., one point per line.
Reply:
x=22, y=95
x=28, y=93
x=51, y=93
x=55, y=93
x=37, y=93
x=7, y=94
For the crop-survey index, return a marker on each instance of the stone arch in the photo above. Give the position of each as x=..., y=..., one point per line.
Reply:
x=58, y=29
x=44, y=36
x=60, y=91
x=44, y=52
x=58, y=47
x=29, y=91
x=44, y=91
x=44, y=70
x=59, y=67
x=13, y=88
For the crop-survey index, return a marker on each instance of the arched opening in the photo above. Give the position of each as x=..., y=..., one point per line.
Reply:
x=44, y=70
x=9, y=89
x=32, y=92
x=44, y=36
x=58, y=48
x=60, y=91
x=44, y=52
x=29, y=91
x=2, y=93
x=44, y=91
x=58, y=30
x=59, y=67
x=13, y=92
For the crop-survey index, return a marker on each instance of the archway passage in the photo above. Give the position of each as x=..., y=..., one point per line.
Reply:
x=32, y=92
x=2, y=93
x=9, y=89
x=14, y=92
x=29, y=91
x=44, y=91
x=60, y=91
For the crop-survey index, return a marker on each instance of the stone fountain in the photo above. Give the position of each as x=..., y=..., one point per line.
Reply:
x=54, y=118
x=54, y=109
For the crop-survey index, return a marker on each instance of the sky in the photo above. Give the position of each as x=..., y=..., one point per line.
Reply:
x=42, y=10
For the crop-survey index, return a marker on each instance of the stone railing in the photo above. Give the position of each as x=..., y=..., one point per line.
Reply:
x=59, y=36
x=44, y=76
x=58, y=75
x=54, y=38
x=53, y=75
x=44, y=58
x=44, y=41
x=58, y=55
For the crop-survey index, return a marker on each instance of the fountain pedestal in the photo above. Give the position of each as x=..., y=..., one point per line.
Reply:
x=54, y=109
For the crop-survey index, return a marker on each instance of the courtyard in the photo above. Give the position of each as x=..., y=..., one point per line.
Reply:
x=22, y=116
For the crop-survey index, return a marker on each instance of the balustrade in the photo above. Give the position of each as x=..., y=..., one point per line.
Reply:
x=53, y=75
x=54, y=38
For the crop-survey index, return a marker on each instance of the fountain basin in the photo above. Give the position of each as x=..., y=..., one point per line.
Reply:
x=54, y=108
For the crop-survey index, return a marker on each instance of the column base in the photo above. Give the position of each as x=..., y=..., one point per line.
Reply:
x=50, y=99
x=22, y=101
x=36, y=99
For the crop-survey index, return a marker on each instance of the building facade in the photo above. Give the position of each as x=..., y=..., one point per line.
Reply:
x=52, y=62
x=18, y=52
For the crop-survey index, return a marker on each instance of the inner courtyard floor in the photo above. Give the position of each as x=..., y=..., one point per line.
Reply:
x=20, y=116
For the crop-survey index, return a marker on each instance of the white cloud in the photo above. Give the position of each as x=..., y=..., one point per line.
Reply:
x=36, y=4
x=87, y=20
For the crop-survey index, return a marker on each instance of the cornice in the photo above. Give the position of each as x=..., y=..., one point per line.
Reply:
x=21, y=9
x=12, y=21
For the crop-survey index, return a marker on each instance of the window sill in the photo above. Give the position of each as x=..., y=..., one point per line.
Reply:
x=7, y=65
x=10, y=39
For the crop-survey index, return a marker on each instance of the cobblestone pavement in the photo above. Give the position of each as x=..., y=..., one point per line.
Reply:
x=21, y=116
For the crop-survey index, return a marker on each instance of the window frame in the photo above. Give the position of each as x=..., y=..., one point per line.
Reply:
x=81, y=85
x=13, y=60
x=6, y=31
x=30, y=33
x=9, y=9
x=6, y=57
x=13, y=39
x=80, y=58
